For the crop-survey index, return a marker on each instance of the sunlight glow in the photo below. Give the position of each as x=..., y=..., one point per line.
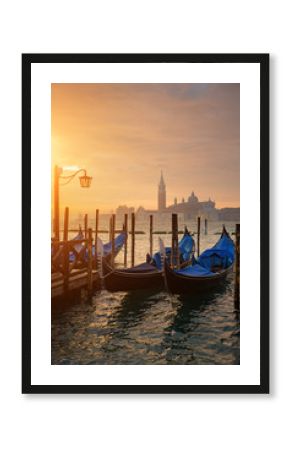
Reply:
x=71, y=168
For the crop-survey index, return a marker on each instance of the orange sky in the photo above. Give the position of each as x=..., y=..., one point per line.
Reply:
x=124, y=134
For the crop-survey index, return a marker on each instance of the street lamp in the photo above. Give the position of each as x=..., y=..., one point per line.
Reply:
x=85, y=182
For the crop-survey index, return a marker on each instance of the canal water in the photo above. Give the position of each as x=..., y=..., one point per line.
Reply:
x=150, y=327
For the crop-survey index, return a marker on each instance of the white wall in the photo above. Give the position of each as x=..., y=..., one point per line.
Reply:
x=220, y=422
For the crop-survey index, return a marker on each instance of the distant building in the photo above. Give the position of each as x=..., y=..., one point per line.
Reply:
x=143, y=213
x=161, y=195
x=191, y=209
x=229, y=214
x=194, y=208
x=124, y=209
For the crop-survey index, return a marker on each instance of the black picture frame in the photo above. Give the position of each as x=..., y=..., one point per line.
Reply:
x=27, y=61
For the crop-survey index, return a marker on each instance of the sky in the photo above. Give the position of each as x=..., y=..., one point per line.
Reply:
x=125, y=134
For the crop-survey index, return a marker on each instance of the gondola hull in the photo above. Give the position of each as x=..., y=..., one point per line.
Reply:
x=177, y=283
x=207, y=273
x=126, y=280
x=148, y=275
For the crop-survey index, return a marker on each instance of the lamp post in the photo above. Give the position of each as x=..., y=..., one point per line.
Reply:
x=85, y=182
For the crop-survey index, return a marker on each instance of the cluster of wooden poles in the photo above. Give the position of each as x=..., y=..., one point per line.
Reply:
x=89, y=232
x=91, y=239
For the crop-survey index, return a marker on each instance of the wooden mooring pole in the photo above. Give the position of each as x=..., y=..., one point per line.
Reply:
x=126, y=239
x=56, y=203
x=65, y=263
x=65, y=268
x=86, y=226
x=151, y=235
x=90, y=261
x=132, y=239
x=174, y=244
x=65, y=224
x=96, y=238
x=198, y=236
x=110, y=229
x=237, y=267
x=205, y=226
x=113, y=227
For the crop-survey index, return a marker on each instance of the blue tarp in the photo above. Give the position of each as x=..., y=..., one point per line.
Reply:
x=141, y=268
x=196, y=270
x=186, y=246
x=107, y=248
x=119, y=242
x=222, y=254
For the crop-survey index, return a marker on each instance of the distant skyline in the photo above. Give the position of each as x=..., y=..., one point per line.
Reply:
x=125, y=134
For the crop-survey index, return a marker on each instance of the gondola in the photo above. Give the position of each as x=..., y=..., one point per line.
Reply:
x=57, y=249
x=206, y=273
x=148, y=275
x=107, y=248
x=80, y=248
x=77, y=247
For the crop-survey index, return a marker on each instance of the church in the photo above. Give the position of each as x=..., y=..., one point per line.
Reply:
x=191, y=209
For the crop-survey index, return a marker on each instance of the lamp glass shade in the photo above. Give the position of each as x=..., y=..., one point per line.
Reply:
x=85, y=181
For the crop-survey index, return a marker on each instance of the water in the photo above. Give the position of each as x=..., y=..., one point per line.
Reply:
x=150, y=327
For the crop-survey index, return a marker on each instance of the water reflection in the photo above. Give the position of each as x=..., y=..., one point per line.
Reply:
x=132, y=308
x=149, y=328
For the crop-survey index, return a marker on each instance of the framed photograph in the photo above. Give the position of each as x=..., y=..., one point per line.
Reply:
x=145, y=232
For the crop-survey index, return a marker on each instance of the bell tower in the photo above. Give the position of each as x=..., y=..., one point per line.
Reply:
x=161, y=194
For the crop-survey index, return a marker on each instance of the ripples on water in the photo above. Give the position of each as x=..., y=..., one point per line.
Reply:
x=144, y=328
x=149, y=328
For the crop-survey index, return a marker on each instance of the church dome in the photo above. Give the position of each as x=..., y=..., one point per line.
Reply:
x=192, y=198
